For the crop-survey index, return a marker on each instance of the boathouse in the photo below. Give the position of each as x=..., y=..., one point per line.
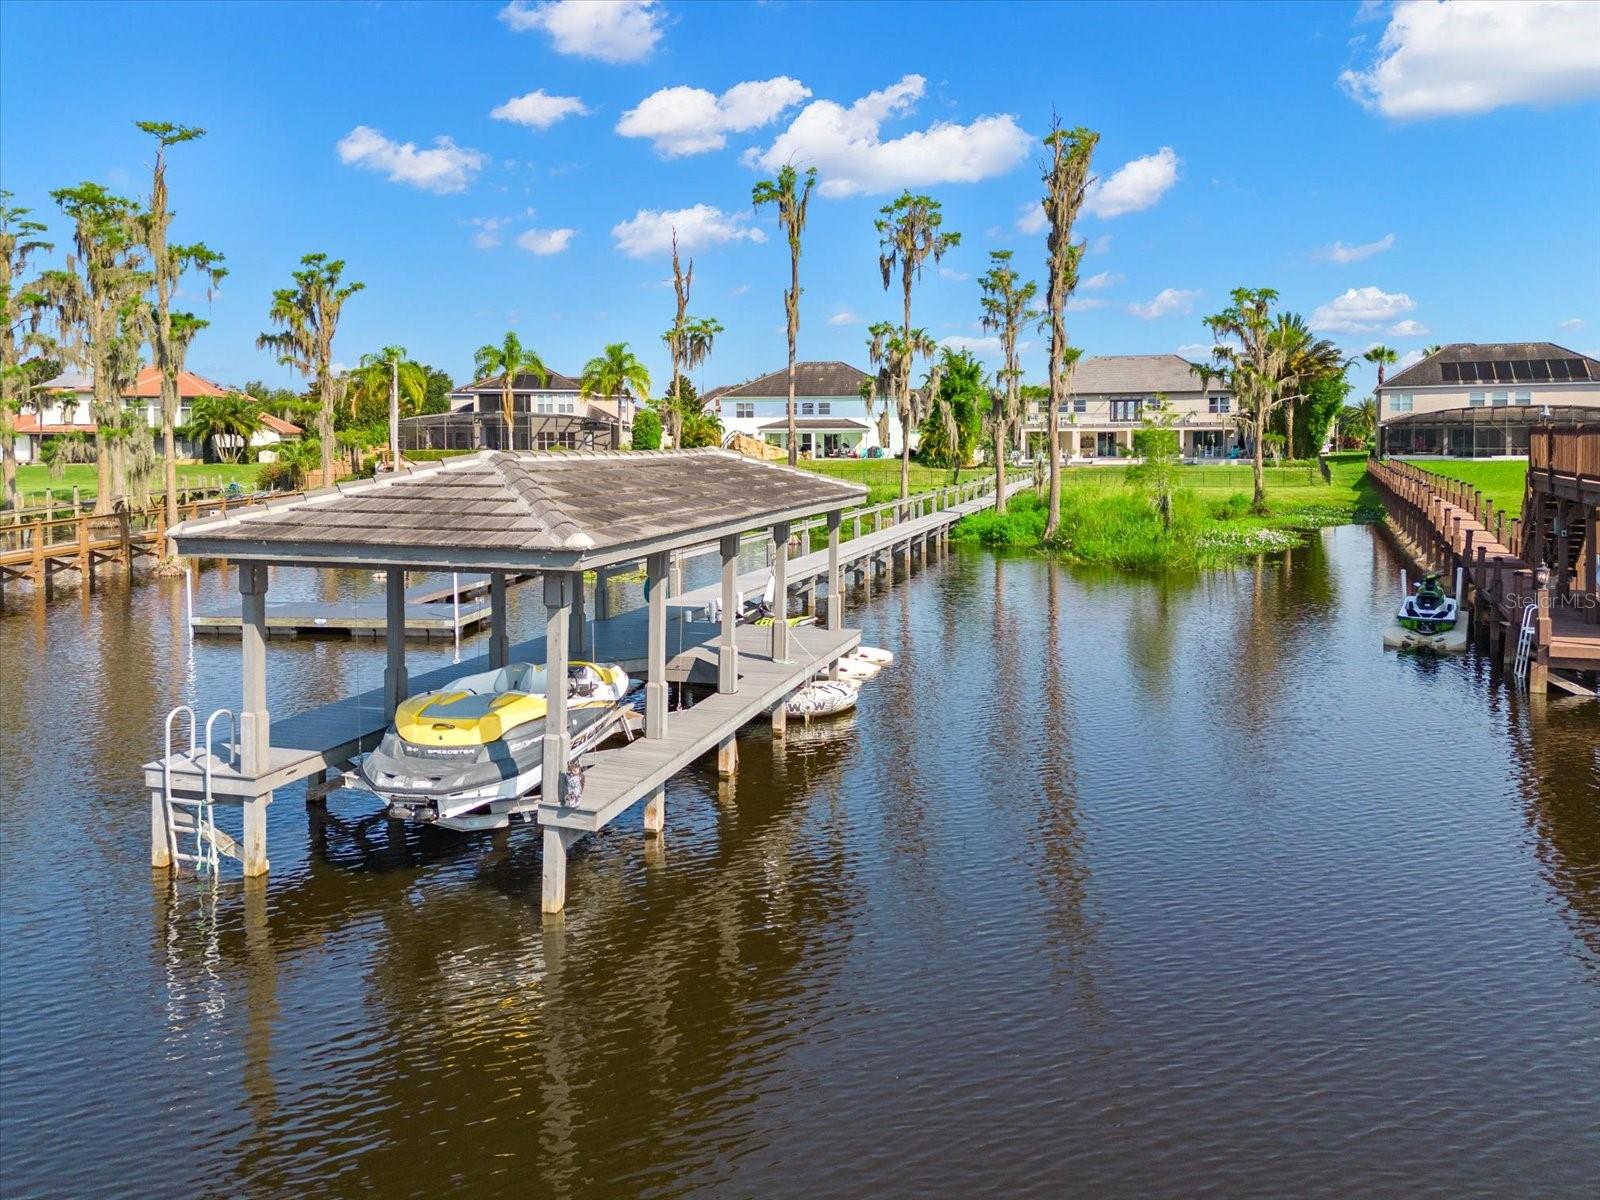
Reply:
x=560, y=515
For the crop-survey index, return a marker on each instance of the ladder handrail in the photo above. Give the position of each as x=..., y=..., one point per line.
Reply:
x=166, y=774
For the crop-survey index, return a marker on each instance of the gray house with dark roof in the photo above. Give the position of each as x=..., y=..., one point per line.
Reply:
x=547, y=414
x=831, y=418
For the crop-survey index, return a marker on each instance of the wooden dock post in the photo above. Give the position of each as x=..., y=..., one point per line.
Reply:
x=655, y=813
x=558, y=589
x=160, y=848
x=728, y=757
x=655, y=688
x=577, y=626
x=255, y=726
x=780, y=592
x=835, y=579
x=728, y=652
x=780, y=718
x=553, y=889
x=499, y=640
x=394, y=671
x=602, y=594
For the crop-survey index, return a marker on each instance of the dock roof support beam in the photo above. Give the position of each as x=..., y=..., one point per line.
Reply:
x=728, y=654
x=558, y=588
x=655, y=688
x=835, y=579
x=254, y=722
x=577, y=625
x=499, y=640
x=394, y=673
x=780, y=592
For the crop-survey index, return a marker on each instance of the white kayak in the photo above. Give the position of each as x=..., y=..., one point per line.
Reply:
x=823, y=698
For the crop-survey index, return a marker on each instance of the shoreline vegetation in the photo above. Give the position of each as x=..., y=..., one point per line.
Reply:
x=1107, y=520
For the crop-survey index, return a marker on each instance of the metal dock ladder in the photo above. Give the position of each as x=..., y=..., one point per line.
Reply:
x=1525, y=643
x=192, y=833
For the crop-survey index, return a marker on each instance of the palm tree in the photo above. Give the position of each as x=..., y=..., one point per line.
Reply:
x=1066, y=179
x=1430, y=351
x=792, y=202
x=615, y=373
x=391, y=368
x=23, y=306
x=892, y=354
x=957, y=386
x=228, y=422
x=93, y=298
x=1307, y=358
x=1380, y=356
x=508, y=360
x=308, y=314
x=1007, y=302
x=909, y=235
x=168, y=263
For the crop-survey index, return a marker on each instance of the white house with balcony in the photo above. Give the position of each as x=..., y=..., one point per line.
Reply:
x=831, y=418
x=1110, y=395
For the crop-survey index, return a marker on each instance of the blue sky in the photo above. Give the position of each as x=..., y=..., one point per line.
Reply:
x=1406, y=173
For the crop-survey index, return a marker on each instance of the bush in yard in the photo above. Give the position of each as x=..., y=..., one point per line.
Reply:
x=646, y=430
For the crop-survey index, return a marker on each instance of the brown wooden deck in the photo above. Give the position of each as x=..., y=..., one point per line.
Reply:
x=1545, y=559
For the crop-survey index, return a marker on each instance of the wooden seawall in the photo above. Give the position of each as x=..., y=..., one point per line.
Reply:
x=1538, y=567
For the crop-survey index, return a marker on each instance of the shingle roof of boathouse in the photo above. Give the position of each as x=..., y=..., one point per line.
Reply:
x=495, y=509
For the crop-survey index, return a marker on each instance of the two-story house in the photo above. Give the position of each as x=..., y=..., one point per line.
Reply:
x=831, y=418
x=1110, y=395
x=1472, y=399
x=546, y=414
x=65, y=407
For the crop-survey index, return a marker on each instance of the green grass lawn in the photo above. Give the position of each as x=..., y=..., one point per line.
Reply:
x=1106, y=522
x=882, y=475
x=1500, y=479
x=35, y=480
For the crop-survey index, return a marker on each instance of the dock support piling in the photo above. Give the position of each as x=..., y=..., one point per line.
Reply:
x=780, y=718
x=655, y=688
x=655, y=813
x=558, y=589
x=253, y=851
x=835, y=580
x=780, y=592
x=728, y=757
x=728, y=653
x=160, y=850
x=394, y=673
x=577, y=625
x=553, y=891
x=499, y=640
x=254, y=722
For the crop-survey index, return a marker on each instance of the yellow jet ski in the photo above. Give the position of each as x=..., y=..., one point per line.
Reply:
x=458, y=756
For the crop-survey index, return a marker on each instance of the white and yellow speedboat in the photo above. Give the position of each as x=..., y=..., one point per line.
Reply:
x=461, y=756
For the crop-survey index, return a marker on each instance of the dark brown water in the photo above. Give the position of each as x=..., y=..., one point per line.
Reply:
x=1111, y=887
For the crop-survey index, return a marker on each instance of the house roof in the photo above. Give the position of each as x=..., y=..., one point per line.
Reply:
x=29, y=423
x=1507, y=362
x=279, y=426
x=1501, y=414
x=1135, y=374
x=146, y=385
x=562, y=511
x=836, y=423
x=524, y=382
x=811, y=379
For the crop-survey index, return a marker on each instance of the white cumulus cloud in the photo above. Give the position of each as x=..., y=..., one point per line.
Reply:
x=650, y=230
x=1472, y=56
x=1409, y=328
x=1085, y=303
x=1031, y=218
x=851, y=156
x=1133, y=186
x=1100, y=281
x=690, y=120
x=1360, y=310
x=1341, y=253
x=545, y=241
x=614, y=31
x=973, y=345
x=844, y=317
x=445, y=167
x=538, y=109
x=1573, y=323
x=488, y=229
x=1195, y=350
x=1164, y=303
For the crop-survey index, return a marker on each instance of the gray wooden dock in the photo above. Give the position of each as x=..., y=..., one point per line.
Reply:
x=430, y=611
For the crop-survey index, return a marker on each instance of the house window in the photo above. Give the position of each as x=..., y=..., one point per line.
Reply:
x=1501, y=399
x=1399, y=402
x=824, y=408
x=1475, y=399
x=1126, y=410
x=744, y=410
x=1524, y=397
x=1080, y=404
x=807, y=409
x=1218, y=404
